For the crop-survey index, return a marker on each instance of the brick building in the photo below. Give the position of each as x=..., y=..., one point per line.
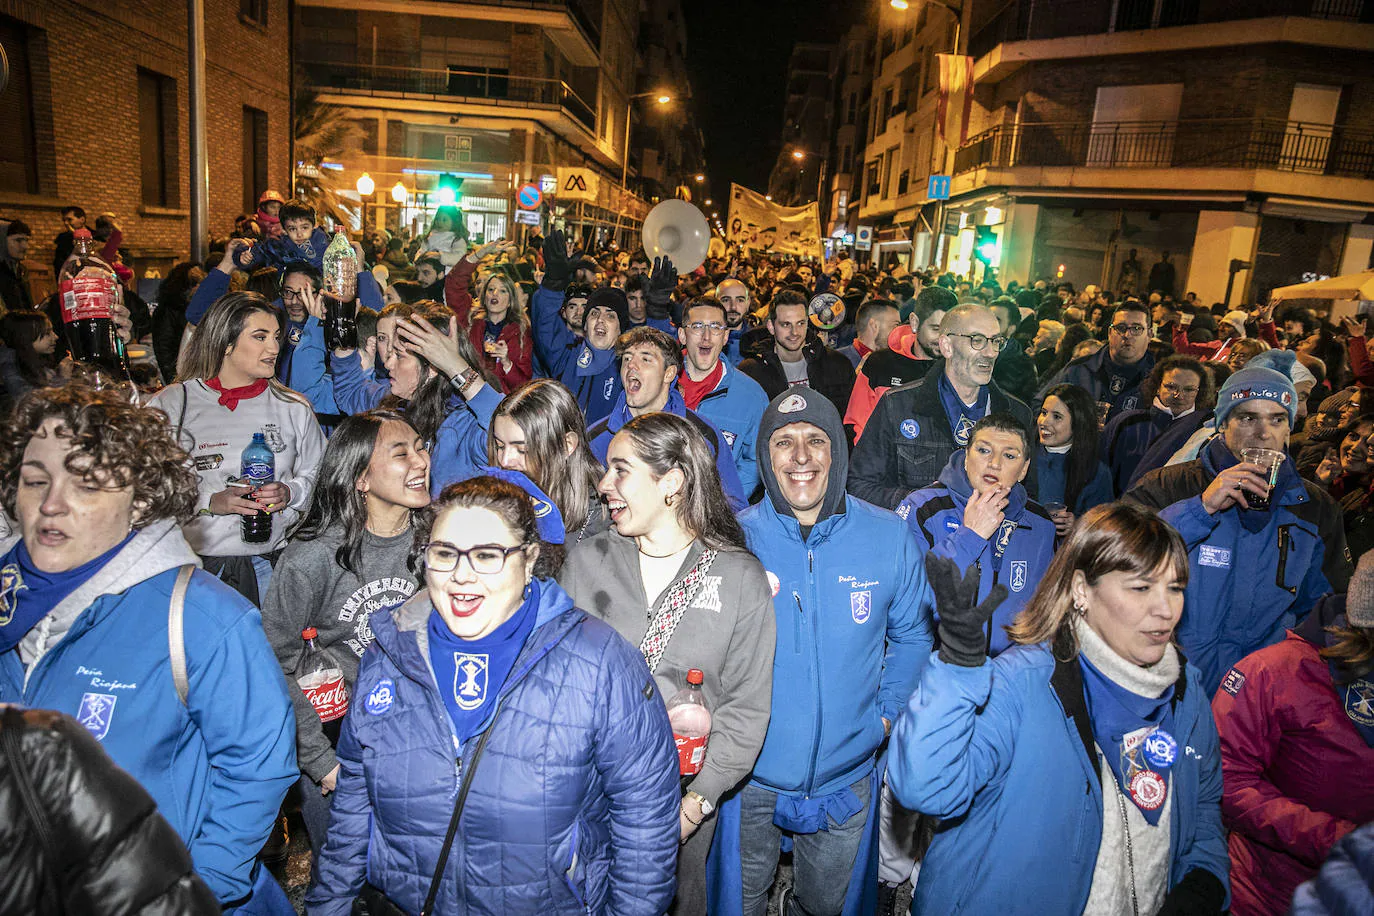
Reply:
x=95, y=115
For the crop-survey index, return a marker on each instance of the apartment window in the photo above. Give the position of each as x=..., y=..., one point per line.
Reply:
x=887, y=103
x=19, y=154
x=873, y=184
x=853, y=108
x=157, y=138
x=254, y=156
x=254, y=11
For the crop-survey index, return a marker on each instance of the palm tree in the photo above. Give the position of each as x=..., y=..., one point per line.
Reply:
x=323, y=134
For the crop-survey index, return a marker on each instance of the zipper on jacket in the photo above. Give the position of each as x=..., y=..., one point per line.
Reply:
x=1285, y=542
x=816, y=662
x=797, y=625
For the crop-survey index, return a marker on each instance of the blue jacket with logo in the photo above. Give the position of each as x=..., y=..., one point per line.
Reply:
x=560, y=351
x=1246, y=588
x=735, y=406
x=1004, y=755
x=308, y=374
x=460, y=444
x=1026, y=537
x=219, y=765
x=854, y=631
x=574, y=802
x=1093, y=375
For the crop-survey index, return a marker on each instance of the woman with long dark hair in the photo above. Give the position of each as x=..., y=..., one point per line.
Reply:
x=676, y=551
x=27, y=345
x=1071, y=478
x=169, y=319
x=348, y=559
x=539, y=431
x=1079, y=771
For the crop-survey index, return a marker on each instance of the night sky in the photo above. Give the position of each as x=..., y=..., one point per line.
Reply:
x=737, y=53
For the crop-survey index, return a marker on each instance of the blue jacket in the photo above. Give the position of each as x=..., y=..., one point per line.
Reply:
x=308, y=373
x=460, y=445
x=1004, y=755
x=1128, y=436
x=1092, y=374
x=560, y=350
x=217, y=766
x=354, y=391
x=1051, y=479
x=1245, y=589
x=937, y=513
x=216, y=284
x=854, y=630
x=1345, y=884
x=599, y=436
x=574, y=805
x=735, y=407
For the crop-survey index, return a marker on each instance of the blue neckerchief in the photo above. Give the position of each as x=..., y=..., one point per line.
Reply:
x=955, y=479
x=962, y=417
x=1117, y=712
x=471, y=672
x=493, y=329
x=1357, y=696
x=812, y=814
x=1052, y=476
x=591, y=361
x=1252, y=520
x=27, y=593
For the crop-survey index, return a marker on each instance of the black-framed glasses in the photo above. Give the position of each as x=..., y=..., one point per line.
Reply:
x=715, y=327
x=1129, y=330
x=485, y=559
x=979, y=341
x=1176, y=390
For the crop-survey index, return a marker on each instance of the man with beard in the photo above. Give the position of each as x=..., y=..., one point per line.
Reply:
x=916, y=427
x=1113, y=374
x=796, y=360
x=734, y=296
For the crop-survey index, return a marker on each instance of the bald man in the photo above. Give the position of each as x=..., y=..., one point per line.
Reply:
x=735, y=296
x=915, y=428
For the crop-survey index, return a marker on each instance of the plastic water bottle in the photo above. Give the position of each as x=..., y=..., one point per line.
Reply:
x=340, y=269
x=691, y=722
x=322, y=682
x=258, y=469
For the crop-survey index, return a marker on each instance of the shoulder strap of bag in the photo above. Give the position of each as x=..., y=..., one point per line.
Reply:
x=434, y=882
x=670, y=610
x=10, y=737
x=176, y=636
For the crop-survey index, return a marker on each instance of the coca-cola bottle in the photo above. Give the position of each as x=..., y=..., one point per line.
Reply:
x=341, y=294
x=322, y=682
x=691, y=722
x=89, y=290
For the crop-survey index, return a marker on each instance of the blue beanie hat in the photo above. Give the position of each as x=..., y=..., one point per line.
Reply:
x=546, y=515
x=1280, y=361
x=1256, y=382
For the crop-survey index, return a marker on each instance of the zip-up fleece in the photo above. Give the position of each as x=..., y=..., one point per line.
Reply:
x=735, y=406
x=574, y=803
x=218, y=766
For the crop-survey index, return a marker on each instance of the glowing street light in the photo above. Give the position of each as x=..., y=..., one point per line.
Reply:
x=447, y=196
x=768, y=197
x=708, y=201
x=366, y=185
x=900, y=4
x=700, y=178
x=664, y=99
x=398, y=193
x=798, y=155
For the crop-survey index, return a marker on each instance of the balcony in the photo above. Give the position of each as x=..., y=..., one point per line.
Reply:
x=1220, y=143
x=489, y=87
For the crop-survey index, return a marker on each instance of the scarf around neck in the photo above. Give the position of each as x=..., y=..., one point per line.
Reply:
x=230, y=397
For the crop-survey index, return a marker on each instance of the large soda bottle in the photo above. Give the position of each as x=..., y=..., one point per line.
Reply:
x=89, y=290
x=322, y=682
x=341, y=294
x=691, y=722
x=258, y=469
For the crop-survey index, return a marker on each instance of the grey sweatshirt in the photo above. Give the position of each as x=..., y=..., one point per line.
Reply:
x=728, y=631
x=310, y=589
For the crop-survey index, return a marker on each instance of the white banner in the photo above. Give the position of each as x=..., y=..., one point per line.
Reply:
x=762, y=225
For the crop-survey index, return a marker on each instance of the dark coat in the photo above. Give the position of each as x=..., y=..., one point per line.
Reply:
x=827, y=371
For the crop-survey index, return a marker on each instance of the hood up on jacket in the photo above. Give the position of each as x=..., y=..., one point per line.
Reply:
x=805, y=405
x=5, y=242
x=955, y=479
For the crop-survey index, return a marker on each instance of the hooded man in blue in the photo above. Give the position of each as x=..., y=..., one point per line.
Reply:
x=853, y=635
x=586, y=365
x=1262, y=546
x=978, y=514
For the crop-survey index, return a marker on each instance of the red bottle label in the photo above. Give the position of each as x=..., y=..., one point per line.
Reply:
x=330, y=699
x=86, y=297
x=691, y=752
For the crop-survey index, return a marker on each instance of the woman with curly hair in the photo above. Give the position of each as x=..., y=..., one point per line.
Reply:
x=498, y=322
x=106, y=618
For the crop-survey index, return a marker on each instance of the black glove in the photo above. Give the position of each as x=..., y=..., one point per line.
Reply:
x=662, y=282
x=1200, y=893
x=557, y=264
x=962, y=623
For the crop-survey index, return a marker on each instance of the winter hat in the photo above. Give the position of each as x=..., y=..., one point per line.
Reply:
x=805, y=405
x=1359, y=595
x=1335, y=402
x=609, y=297
x=546, y=515
x=17, y=227
x=1256, y=383
x=1237, y=320
x=1281, y=361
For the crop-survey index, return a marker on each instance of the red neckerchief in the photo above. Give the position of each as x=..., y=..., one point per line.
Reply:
x=693, y=392
x=230, y=397
x=861, y=348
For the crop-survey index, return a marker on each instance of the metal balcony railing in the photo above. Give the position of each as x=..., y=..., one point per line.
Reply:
x=492, y=86
x=1316, y=149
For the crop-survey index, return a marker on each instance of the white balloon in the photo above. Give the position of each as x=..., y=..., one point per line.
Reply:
x=677, y=229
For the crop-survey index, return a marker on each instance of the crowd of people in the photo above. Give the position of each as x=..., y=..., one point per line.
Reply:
x=933, y=553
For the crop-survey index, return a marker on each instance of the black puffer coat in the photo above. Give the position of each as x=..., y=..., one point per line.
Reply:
x=102, y=849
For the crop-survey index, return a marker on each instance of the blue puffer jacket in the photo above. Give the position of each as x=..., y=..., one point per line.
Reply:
x=854, y=630
x=574, y=804
x=1004, y=755
x=1026, y=533
x=1246, y=588
x=735, y=407
x=560, y=351
x=1094, y=375
x=1345, y=884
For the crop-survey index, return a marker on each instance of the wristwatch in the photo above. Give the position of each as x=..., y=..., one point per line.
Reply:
x=706, y=807
x=464, y=378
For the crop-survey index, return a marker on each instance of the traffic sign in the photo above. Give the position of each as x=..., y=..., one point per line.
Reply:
x=529, y=197
x=528, y=217
x=938, y=187
x=863, y=238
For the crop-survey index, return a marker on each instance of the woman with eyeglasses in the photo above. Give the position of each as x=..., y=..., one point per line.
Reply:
x=504, y=752
x=1180, y=396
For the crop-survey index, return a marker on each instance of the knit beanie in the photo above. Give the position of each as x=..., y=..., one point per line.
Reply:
x=609, y=297
x=1359, y=595
x=1252, y=383
x=1237, y=320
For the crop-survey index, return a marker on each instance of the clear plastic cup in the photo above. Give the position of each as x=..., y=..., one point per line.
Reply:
x=1269, y=461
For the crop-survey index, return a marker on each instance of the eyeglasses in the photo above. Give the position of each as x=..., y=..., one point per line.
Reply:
x=1179, y=389
x=485, y=559
x=1129, y=330
x=979, y=341
x=715, y=327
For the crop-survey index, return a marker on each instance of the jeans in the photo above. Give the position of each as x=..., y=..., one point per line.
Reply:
x=315, y=813
x=822, y=862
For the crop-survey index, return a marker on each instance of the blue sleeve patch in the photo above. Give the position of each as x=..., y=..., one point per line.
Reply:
x=1233, y=681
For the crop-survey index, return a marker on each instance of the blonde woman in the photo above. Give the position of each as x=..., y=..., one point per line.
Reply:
x=497, y=321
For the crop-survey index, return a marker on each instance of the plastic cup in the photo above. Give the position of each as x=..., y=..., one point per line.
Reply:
x=1269, y=461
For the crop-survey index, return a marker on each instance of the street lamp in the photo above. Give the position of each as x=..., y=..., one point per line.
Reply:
x=798, y=155
x=398, y=193
x=900, y=5
x=661, y=98
x=366, y=186
x=708, y=201
x=700, y=178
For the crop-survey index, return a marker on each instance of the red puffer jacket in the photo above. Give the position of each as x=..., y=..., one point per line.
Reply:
x=518, y=341
x=1295, y=767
